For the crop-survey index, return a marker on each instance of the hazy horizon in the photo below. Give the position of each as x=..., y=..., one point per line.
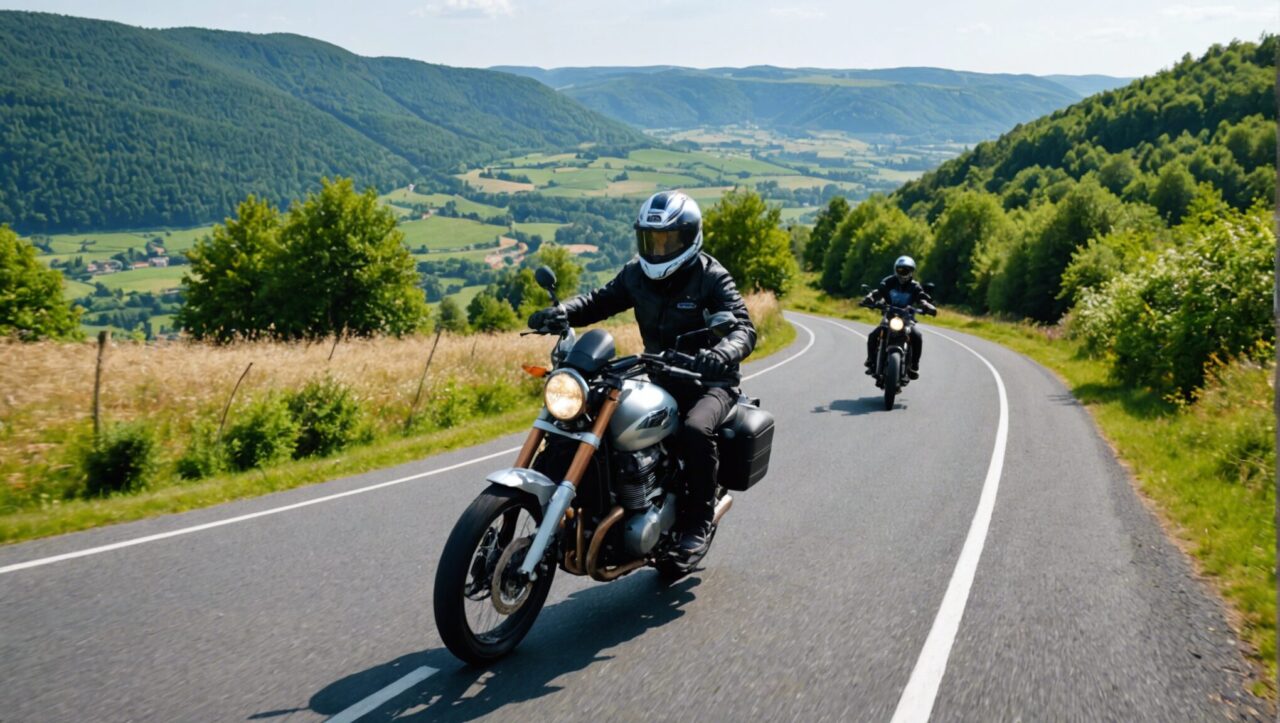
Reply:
x=988, y=36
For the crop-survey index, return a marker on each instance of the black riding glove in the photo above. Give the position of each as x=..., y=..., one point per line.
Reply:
x=928, y=308
x=867, y=301
x=552, y=317
x=712, y=363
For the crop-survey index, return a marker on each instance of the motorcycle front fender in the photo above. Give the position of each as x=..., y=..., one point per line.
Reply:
x=525, y=480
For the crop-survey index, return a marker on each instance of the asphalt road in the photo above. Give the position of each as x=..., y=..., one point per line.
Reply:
x=912, y=562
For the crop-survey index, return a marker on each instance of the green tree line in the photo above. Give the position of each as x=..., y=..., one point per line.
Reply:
x=1071, y=210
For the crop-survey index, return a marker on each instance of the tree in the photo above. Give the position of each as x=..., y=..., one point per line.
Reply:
x=1117, y=172
x=1087, y=211
x=227, y=289
x=567, y=269
x=1173, y=192
x=343, y=268
x=969, y=218
x=488, y=313
x=842, y=241
x=878, y=243
x=745, y=234
x=800, y=236
x=449, y=316
x=823, y=229
x=31, y=303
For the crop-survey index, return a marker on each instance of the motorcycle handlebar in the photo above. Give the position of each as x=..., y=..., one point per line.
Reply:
x=673, y=363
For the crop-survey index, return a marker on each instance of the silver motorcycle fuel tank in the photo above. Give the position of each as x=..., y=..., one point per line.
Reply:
x=646, y=415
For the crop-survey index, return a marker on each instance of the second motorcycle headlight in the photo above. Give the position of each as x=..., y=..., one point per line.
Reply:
x=896, y=323
x=565, y=395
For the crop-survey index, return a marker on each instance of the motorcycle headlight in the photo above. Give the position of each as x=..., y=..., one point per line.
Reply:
x=565, y=395
x=896, y=323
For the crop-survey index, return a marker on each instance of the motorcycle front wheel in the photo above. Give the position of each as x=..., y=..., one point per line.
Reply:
x=892, y=377
x=482, y=609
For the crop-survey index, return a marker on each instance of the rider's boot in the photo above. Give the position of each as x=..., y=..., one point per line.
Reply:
x=913, y=372
x=870, y=364
x=696, y=528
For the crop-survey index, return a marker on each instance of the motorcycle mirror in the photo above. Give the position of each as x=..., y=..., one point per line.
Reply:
x=929, y=287
x=866, y=288
x=546, y=278
x=721, y=322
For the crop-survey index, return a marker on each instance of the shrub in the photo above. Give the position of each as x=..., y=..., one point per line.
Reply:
x=266, y=433
x=206, y=455
x=120, y=460
x=1206, y=300
x=451, y=405
x=495, y=397
x=328, y=418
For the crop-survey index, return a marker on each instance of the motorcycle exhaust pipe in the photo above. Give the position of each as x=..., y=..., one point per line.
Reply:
x=722, y=506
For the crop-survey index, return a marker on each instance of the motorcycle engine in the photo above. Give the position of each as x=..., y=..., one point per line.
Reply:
x=637, y=477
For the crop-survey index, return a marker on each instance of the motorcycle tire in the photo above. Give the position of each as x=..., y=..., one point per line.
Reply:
x=459, y=562
x=892, y=378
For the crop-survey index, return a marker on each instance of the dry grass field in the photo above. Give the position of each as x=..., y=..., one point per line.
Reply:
x=46, y=392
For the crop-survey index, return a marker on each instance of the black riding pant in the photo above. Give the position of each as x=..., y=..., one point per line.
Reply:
x=913, y=339
x=703, y=411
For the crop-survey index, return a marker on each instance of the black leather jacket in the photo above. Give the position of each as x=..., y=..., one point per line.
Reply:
x=666, y=309
x=898, y=293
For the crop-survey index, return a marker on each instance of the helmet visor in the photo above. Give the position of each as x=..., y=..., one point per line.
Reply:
x=661, y=244
x=905, y=271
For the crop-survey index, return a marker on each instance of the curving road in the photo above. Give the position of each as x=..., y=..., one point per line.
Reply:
x=974, y=554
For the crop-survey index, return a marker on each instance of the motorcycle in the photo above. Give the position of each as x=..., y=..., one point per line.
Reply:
x=592, y=490
x=896, y=323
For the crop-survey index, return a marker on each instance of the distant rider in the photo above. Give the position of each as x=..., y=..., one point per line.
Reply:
x=902, y=290
x=670, y=285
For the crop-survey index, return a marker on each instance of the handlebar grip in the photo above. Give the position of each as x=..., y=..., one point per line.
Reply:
x=678, y=372
x=683, y=359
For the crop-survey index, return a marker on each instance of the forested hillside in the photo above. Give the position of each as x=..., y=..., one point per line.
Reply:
x=104, y=125
x=1144, y=210
x=929, y=103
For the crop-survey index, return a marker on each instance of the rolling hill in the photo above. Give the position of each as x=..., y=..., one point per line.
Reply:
x=1025, y=225
x=925, y=103
x=104, y=125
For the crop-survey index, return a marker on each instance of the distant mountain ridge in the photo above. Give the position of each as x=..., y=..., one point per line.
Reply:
x=104, y=125
x=926, y=102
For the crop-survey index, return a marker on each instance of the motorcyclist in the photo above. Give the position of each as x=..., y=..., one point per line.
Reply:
x=670, y=284
x=899, y=289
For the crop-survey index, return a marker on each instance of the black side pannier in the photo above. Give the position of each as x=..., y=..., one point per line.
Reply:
x=744, y=444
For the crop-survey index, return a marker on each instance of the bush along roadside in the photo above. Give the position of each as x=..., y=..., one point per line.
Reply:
x=299, y=418
x=1205, y=460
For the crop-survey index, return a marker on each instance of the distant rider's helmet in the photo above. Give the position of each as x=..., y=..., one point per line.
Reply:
x=904, y=268
x=668, y=233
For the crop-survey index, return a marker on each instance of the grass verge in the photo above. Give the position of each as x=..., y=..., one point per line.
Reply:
x=74, y=515
x=1207, y=468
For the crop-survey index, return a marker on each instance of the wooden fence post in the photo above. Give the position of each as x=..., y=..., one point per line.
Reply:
x=421, y=382
x=227, y=408
x=104, y=338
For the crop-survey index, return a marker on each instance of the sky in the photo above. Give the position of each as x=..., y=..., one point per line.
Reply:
x=1111, y=37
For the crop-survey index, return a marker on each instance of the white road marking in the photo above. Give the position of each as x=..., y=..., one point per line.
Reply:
x=306, y=503
x=842, y=326
x=375, y=701
x=916, y=703
x=793, y=357
x=242, y=518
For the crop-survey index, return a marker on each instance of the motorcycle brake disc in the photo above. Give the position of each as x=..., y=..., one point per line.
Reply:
x=508, y=594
